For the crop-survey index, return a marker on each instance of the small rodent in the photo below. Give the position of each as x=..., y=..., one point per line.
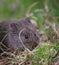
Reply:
x=16, y=34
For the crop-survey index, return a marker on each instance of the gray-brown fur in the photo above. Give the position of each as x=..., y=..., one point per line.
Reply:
x=10, y=29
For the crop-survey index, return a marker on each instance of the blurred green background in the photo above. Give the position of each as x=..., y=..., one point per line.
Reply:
x=38, y=10
x=19, y=8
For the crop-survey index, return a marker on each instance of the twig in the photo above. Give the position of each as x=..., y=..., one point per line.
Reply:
x=2, y=41
x=30, y=7
x=22, y=62
x=23, y=43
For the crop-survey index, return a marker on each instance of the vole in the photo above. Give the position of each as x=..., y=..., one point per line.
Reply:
x=16, y=34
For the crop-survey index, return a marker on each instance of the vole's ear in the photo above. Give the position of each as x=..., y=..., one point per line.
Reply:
x=28, y=20
x=13, y=27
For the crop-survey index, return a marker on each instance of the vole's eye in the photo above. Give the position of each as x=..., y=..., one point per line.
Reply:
x=26, y=36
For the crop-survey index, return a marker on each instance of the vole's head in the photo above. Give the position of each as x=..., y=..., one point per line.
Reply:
x=29, y=34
